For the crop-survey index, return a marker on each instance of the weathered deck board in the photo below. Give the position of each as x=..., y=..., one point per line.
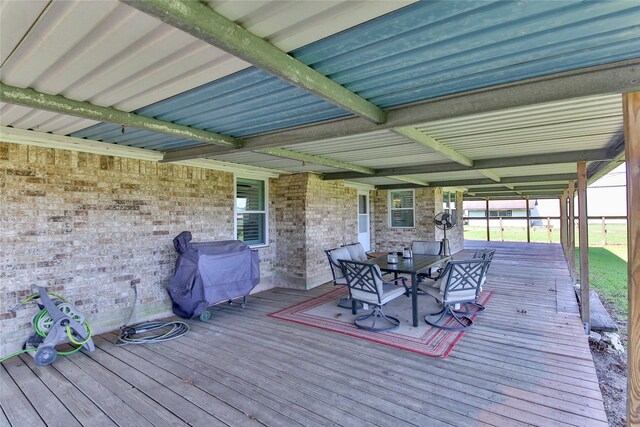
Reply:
x=525, y=362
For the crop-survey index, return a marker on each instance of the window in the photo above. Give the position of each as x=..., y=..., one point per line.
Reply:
x=449, y=205
x=251, y=214
x=500, y=213
x=401, y=209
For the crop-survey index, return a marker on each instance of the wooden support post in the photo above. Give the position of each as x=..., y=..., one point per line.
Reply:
x=584, y=246
x=604, y=232
x=487, y=214
x=571, y=255
x=563, y=222
x=548, y=230
x=631, y=114
x=528, y=221
x=501, y=231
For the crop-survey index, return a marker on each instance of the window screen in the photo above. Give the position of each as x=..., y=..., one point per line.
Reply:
x=251, y=212
x=401, y=209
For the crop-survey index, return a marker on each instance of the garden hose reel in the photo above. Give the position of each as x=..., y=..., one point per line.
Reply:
x=57, y=322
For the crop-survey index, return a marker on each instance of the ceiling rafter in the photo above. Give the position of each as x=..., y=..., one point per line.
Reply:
x=517, y=188
x=315, y=159
x=59, y=104
x=609, y=78
x=202, y=22
x=491, y=175
x=426, y=140
x=420, y=182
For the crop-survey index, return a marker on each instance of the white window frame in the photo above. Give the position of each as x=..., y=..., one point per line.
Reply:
x=446, y=201
x=392, y=209
x=266, y=208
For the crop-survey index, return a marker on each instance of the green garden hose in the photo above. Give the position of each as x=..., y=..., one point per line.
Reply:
x=43, y=333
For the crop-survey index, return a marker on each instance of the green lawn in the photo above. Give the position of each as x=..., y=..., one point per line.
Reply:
x=616, y=234
x=512, y=234
x=608, y=275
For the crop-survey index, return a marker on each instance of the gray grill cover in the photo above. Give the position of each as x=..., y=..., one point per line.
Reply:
x=210, y=272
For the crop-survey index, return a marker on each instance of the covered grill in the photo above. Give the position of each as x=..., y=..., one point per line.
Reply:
x=209, y=272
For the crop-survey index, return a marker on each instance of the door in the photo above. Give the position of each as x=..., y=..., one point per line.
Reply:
x=364, y=236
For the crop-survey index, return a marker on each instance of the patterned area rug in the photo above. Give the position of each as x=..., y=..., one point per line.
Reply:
x=322, y=312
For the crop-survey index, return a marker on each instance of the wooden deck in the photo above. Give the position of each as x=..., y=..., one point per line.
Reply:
x=526, y=362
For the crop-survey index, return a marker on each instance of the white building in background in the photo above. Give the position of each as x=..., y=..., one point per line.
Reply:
x=512, y=212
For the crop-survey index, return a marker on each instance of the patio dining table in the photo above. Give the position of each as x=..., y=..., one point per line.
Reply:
x=412, y=266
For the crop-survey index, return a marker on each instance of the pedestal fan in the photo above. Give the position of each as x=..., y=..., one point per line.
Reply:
x=445, y=221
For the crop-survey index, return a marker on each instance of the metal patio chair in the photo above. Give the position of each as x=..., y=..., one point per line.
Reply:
x=427, y=247
x=476, y=307
x=366, y=285
x=357, y=252
x=335, y=255
x=457, y=284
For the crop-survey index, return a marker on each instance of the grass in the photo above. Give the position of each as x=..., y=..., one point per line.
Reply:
x=608, y=275
x=616, y=234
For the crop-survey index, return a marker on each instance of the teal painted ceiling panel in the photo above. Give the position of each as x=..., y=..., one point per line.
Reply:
x=423, y=51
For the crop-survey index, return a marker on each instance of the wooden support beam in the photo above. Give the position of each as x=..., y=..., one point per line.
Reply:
x=494, y=163
x=631, y=114
x=414, y=181
x=516, y=195
x=485, y=181
x=528, y=220
x=60, y=104
x=572, y=230
x=583, y=229
x=424, y=139
x=314, y=159
x=509, y=188
x=597, y=170
x=491, y=175
x=487, y=215
x=202, y=22
x=562, y=201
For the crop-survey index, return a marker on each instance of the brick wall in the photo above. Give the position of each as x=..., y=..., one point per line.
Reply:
x=311, y=215
x=332, y=220
x=395, y=239
x=428, y=203
x=87, y=226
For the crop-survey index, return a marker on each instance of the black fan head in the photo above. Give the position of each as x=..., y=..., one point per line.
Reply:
x=444, y=220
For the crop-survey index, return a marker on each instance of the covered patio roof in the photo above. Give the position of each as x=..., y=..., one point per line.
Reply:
x=386, y=94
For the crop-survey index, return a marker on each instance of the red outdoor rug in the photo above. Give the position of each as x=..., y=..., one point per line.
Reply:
x=322, y=312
